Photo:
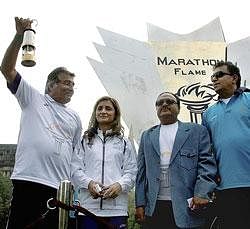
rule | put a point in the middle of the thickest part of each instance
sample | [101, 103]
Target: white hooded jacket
[107, 160]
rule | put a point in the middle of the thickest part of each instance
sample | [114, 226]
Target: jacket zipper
[103, 157]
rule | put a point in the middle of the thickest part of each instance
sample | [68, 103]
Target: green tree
[131, 209]
[5, 196]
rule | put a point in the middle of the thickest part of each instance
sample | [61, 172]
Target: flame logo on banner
[203, 94]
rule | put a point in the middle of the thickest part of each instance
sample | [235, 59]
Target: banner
[185, 68]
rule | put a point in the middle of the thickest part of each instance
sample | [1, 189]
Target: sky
[66, 31]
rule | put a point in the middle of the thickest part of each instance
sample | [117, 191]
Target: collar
[240, 90]
[237, 92]
[50, 99]
[100, 132]
[170, 125]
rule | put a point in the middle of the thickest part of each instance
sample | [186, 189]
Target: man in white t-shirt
[175, 165]
[49, 137]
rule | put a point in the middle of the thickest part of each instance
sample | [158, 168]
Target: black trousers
[86, 222]
[162, 218]
[29, 202]
[233, 207]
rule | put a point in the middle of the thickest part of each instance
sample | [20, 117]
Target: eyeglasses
[67, 83]
[168, 102]
[219, 74]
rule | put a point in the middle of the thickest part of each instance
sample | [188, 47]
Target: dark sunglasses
[219, 74]
[166, 101]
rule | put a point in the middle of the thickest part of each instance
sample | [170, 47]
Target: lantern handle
[35, 21]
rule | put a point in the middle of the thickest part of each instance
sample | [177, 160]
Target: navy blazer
[192, 171]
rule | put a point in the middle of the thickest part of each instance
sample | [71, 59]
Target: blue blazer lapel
[180, 138]
[154, 137]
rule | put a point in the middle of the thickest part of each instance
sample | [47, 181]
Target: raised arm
[10, 57]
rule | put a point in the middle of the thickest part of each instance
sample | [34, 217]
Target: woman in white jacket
[109, 167]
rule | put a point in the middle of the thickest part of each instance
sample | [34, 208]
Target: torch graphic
[196, 97]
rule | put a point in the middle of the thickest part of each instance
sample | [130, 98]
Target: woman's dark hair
[116, 126]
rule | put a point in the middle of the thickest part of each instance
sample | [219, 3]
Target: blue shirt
[229, 128]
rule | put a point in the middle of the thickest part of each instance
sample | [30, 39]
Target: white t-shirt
[49, 132]
[166, 140]
[167, 137]
[226, 101]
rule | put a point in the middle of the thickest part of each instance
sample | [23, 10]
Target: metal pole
[64, 195]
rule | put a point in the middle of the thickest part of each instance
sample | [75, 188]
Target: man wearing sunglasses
[176, 170]
[228, 122]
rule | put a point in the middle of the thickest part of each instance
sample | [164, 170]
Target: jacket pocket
[188, 159]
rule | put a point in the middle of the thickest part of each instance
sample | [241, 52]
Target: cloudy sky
[66, 31]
